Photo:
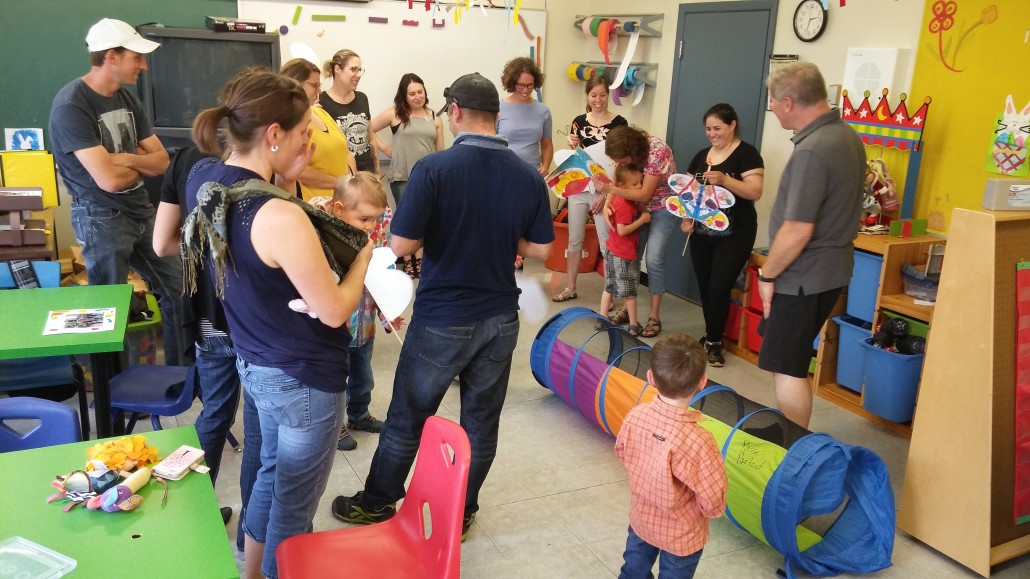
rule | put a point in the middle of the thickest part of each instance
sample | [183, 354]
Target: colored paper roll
[573, 71]
[594, 24]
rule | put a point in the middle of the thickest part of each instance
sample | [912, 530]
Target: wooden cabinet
[959, 480]
[890, 295]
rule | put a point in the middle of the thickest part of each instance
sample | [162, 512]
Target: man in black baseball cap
[472, 208]
[472, 91]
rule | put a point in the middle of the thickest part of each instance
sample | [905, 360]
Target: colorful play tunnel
[779, 473]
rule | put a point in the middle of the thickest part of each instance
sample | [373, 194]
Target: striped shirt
[677, 479]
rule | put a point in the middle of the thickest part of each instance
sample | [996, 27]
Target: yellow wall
[993, 60]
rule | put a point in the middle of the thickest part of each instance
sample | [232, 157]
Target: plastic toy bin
[865, 284]
[850, 355]
[891, 382]
[590, 249]
[754, 340]
[732, 329]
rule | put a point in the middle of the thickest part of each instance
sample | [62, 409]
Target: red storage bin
[754, 341]
[732, 330]
[557, 261]
[754, 300]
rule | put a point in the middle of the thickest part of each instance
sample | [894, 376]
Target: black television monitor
[185, 75]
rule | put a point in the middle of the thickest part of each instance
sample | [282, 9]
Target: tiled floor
[556, 502]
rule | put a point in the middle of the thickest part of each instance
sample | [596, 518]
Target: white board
[477, 43]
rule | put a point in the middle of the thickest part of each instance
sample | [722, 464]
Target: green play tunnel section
[780, 475]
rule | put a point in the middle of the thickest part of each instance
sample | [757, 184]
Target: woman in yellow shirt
[331, 158]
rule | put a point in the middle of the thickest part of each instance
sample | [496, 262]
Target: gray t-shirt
[525, 125]
[821, 184]
[81, 118]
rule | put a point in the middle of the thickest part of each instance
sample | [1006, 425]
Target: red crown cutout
[881, 126]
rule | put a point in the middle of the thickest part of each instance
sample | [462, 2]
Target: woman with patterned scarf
[263, 249]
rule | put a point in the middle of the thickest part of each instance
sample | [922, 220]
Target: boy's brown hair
[622, 172]
[678, 362]
[361, 186]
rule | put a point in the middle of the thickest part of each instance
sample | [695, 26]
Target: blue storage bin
[891, 382]
[850, 355]
[865, 284]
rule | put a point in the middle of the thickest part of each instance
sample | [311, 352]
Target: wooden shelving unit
[959, 481]
[896, 251]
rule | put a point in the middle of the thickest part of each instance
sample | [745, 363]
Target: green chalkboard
[43, 45]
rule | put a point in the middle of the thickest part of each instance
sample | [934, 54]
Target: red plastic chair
[422, 540]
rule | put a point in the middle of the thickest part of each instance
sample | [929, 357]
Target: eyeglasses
[356, 69]
[527, 86]
[314, 85]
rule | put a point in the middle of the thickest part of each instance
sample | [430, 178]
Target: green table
[24, 313]
[185, 538]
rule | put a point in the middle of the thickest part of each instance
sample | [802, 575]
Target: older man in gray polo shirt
[813, 223]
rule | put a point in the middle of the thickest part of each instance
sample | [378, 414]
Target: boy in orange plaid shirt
[676, 476]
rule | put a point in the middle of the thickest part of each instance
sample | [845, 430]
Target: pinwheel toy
[696, 199]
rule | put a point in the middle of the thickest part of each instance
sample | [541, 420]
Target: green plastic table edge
[185, 538]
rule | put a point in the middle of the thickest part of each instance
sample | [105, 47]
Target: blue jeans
[299, 429]
[656, 235]
[480, 355]
[111, 244]
[640, 556]
[251, 462]
[360, 381]
[220, 393]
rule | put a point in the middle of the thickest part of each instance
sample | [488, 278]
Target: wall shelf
[644, 20]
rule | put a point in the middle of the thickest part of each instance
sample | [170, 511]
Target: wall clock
[809, 20]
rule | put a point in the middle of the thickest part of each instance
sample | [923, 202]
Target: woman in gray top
[417, 131]
[523, 120]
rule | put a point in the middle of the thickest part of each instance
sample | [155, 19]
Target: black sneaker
[349, 509]
[346, 441]
[466, 524]
[369, 424]
[715, 357]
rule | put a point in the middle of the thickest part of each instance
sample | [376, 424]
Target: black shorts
[788, 332]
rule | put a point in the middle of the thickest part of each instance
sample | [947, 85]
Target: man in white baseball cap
[104, 144]
[110, 33]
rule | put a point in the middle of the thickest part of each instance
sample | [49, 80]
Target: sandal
[565, 295]
[634, 329]
[652, 328]
[621, 316]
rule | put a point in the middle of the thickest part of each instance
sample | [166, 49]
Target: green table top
[24, 313]
[185, 538]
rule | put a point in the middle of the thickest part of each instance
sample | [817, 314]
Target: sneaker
[466, 524]
[346, 441]
[369, 424]
[715, 357]
[349, 509]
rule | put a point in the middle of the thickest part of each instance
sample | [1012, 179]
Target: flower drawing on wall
[943, 20]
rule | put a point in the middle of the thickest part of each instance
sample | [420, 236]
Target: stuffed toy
[880, 192]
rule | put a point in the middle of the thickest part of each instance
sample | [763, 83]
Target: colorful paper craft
[699, 201]
[576, 169]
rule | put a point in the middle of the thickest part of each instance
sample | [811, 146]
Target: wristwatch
[764, 279]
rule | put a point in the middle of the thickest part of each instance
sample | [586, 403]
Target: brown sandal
[652, 328]
[565, 295]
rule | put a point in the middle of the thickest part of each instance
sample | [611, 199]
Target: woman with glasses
[417, 131]
[349, 107]
[331, 158]
[525, 121]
